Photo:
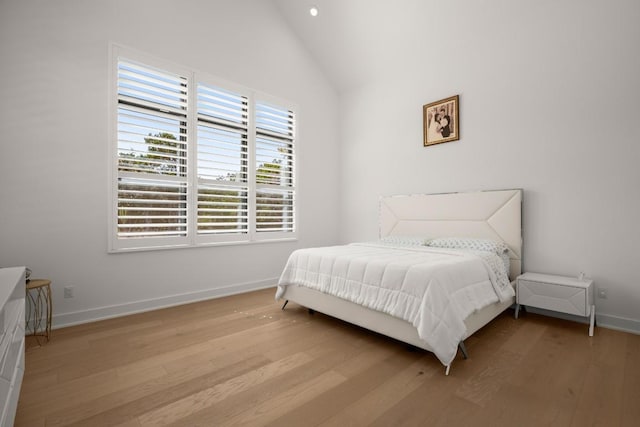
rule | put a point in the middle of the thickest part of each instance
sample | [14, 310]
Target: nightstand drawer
[565, 299]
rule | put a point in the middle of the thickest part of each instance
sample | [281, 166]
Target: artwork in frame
[441, 121]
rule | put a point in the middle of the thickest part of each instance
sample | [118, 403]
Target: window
[197, 162]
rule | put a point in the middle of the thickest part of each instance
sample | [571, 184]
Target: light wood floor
[242, 361]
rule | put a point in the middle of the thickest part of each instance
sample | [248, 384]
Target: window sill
[200, 245]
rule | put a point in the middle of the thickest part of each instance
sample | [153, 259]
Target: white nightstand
[557, 293]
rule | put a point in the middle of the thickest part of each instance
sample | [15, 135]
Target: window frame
[192, 238]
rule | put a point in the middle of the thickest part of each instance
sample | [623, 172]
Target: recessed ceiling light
[313, 11]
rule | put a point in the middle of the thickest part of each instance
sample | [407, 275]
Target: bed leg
[446, 371]
[463, 350]
[285, 304]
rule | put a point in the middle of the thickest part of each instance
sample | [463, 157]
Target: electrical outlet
[68, 291]
[602, 293]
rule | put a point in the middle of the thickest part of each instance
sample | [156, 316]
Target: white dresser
[558, 293]
[12, 320]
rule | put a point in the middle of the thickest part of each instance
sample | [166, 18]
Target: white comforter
[433, 289]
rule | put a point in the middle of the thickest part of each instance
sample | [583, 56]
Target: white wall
[54, 165]
[549, 95]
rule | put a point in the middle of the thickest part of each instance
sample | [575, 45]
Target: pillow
[404, 240]
[506, 261]
[487, 245]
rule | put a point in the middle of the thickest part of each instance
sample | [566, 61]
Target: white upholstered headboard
[486, 214]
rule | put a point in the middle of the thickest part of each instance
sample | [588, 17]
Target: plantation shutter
[274, 161]
[196, 161]
[223, 189]
[151, 152]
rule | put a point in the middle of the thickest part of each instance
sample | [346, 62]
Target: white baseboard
[618, 323]
[602, 320]
[108, 312]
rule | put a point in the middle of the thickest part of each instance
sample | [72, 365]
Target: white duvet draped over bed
[433, 289]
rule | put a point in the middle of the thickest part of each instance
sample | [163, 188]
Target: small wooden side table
[38, 300]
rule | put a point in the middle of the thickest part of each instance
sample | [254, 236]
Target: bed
[426, 318]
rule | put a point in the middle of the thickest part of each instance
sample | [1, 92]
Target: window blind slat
[223, 209]
[274, 169]
[149, 208]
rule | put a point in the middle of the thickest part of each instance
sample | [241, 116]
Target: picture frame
[441, 121]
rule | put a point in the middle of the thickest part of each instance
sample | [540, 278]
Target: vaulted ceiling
[356, 40]
[351, 39]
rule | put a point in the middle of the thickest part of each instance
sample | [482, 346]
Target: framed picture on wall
[441, 121]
